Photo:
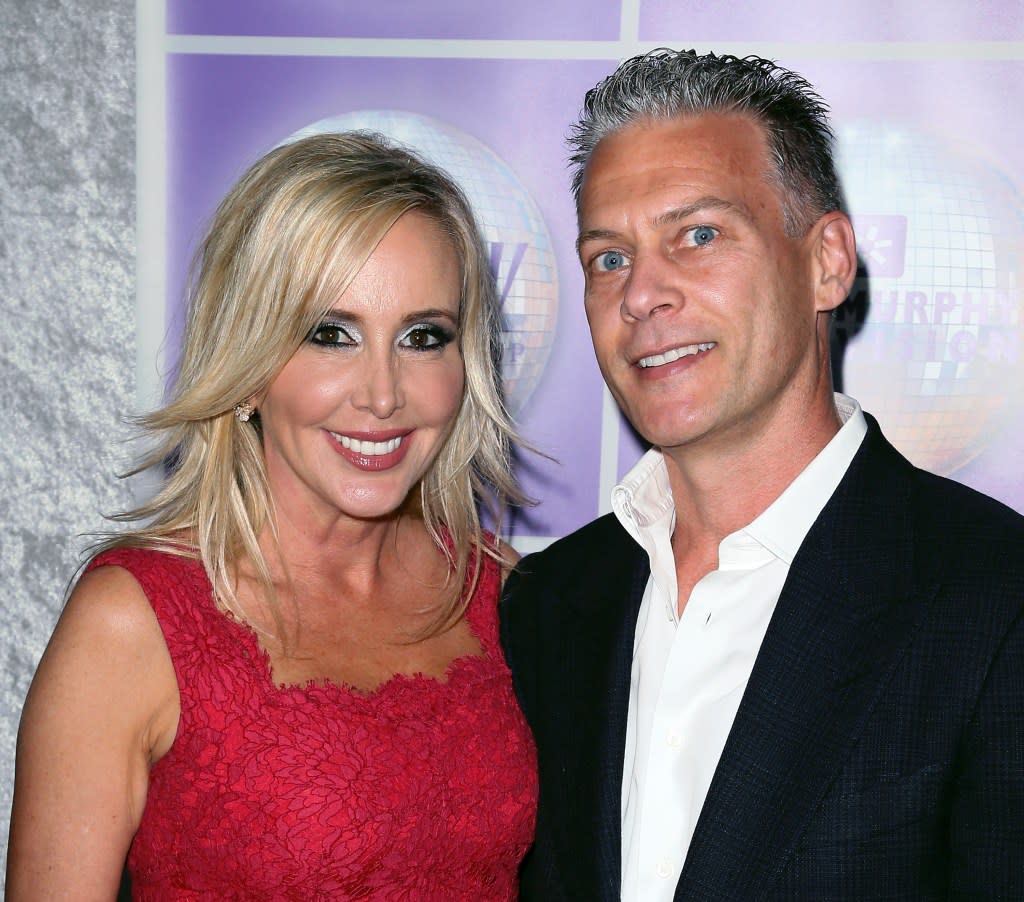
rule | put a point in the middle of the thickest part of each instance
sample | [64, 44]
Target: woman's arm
[102, 708]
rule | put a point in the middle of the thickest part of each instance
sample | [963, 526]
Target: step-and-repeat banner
[926, 107]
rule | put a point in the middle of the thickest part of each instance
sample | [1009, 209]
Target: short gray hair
[666, 84]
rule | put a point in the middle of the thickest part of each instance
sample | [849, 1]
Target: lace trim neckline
[461, 671]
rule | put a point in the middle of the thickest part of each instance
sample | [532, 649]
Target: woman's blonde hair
[282, 247]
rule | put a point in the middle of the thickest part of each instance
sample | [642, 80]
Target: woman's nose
[380, 390]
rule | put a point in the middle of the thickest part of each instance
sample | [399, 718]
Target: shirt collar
[642, 501]
[784, 524]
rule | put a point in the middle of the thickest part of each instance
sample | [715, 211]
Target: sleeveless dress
[420, 790]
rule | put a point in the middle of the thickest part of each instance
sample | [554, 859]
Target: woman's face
[357, 416]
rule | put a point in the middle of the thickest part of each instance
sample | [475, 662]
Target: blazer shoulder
[955, 528]
[602, 543]
[971, 548]
[969, 529]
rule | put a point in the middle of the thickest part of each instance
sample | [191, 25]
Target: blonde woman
[284, 681]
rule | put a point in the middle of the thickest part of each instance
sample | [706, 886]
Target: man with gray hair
[790, 665]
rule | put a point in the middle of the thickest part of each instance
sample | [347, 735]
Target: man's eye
[701, 235]
[330, 334]
[609, 261]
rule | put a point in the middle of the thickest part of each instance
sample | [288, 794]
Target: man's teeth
[675, 354]
[368, 449]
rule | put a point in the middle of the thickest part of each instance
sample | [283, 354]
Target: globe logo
[939, 234]
[520, 249]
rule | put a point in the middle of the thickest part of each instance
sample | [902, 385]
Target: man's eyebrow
[594, 235]
[676, 214]
[709, 202]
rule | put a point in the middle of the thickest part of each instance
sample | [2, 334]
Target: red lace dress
[421, 790]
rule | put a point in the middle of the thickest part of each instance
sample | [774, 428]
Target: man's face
[701, 308]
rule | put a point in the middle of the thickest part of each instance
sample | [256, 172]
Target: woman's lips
[371, 451]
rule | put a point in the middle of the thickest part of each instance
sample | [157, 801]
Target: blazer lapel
[838, 629]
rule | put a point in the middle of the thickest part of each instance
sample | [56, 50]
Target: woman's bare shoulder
[108, 641]
[102, 707]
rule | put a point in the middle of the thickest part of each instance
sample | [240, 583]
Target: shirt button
[664, 869]
[675, 741]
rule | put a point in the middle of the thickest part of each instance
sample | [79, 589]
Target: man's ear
[835, 260]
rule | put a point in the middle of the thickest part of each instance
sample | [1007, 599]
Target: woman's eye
[701, 235]
[330, 334]
[609, 261]
[426, 338]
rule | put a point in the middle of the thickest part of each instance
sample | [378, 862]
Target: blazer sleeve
[540, 879]
[987, 813]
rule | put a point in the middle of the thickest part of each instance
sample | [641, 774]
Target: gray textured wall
[67, 296]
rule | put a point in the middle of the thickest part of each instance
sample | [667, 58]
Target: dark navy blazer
[878, 751]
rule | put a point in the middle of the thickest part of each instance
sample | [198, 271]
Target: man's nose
[654, 287]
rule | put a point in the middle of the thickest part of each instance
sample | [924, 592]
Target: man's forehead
[668, 166]
[683, 125]
[710, 139]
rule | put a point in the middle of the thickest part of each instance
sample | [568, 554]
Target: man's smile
[674, 354]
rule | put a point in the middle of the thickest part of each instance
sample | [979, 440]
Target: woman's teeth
[368, 449]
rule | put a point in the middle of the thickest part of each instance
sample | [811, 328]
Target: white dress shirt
[690, 671]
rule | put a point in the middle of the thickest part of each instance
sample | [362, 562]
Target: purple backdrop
[448, 19]
[932, 148]
[808, 20]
